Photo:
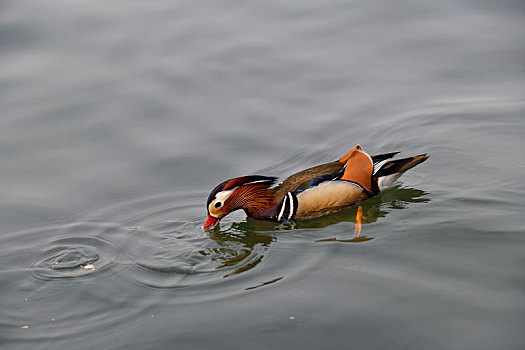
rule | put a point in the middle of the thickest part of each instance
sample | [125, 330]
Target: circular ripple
[74, 258]
[159, 244]
[179, 254]
[166, 248]
[154, 242]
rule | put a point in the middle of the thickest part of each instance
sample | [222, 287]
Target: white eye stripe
[256, 182]
[223, 196]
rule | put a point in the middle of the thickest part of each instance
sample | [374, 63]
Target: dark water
[117, 119]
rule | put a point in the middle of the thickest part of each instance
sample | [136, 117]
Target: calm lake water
[118, 118]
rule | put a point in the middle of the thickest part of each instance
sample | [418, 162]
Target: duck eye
[218, 205]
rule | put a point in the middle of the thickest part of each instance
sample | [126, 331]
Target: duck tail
[380, 157]
[388, 171]
[399, 165]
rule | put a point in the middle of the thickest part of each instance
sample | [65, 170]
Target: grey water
[118, 118]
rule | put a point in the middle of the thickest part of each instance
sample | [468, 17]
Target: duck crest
[232, 184]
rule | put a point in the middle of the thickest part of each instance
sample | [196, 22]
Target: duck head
[250, 193]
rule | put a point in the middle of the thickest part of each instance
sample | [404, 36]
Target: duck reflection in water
[367, 212]
[244, 243]
[240, 247]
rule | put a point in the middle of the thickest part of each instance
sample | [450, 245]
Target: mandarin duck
[314, 192]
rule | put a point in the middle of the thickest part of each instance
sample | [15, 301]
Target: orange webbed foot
[358, 216]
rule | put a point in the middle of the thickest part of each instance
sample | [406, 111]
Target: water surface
[119, 118]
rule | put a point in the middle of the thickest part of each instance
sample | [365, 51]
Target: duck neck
[258, 201]
[262, 213]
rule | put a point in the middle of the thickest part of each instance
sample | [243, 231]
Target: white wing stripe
[291, 205]
[378, 166]
[282, 211]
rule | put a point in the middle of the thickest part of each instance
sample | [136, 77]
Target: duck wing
[308, 178]
[316, 175]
